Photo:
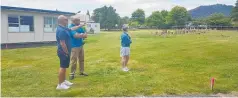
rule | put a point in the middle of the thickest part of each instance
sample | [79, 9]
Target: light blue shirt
[125, 40]
[76, 42]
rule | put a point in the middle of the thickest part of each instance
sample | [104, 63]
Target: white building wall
[97, 28]
[3, 28]
[49, 37]
[38, 26]
[94, 26]
[15, 37]
[20, 37]
[38, 35]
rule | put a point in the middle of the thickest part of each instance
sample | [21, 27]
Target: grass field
[176, 65]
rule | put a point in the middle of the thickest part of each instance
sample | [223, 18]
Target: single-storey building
[20, 25]
[93, 27]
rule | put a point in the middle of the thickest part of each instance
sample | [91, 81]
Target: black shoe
[71, 77]
[83, 74]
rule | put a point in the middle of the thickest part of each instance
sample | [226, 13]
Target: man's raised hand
[85, 35]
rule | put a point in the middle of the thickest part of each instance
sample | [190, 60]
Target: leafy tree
[198, 22]
[234, 13]
[106, 16]
[165, 14]
[139, 16]
[218, 19]
[178, 16]
[155, 19]
[112, 18]
[125, 20]
[133, 24]
[158, 19]
[97, 14]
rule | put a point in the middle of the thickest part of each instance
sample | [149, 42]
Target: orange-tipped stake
[212, 83]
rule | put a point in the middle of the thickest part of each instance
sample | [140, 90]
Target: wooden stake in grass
[212, 83]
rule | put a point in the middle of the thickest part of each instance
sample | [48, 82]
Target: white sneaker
[67, 83]
[62, 86]
[125, 69]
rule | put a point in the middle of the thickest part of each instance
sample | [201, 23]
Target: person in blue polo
[77, 53]
[125, 48]
[63, 51]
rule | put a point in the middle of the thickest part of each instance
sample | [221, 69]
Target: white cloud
[123, 7]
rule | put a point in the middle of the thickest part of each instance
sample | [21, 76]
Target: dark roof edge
[35, 10]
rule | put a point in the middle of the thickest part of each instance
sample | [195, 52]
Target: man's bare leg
[62, 73]
[123, 61]
[127, 60]
[63, 84]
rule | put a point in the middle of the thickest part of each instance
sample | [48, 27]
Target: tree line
[178, 16]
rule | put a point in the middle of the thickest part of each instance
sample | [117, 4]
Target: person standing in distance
[125, 48]
[63, 51]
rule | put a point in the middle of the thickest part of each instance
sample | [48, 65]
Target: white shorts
[125, 51]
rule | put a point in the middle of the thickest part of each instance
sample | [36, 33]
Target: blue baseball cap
[124, 28]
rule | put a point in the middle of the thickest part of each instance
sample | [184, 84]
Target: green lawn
[176, 65]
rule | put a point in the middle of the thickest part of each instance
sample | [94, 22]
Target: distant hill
[204, 11]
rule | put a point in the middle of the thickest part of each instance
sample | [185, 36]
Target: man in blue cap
[125, 48]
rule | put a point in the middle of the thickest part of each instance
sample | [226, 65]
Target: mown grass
[175, 65]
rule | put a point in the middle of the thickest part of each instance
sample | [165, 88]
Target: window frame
[19, 23]
[53, 25]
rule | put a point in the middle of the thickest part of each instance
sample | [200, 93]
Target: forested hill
[204, 11]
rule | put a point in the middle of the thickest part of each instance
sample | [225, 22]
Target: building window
[20, 23]
[50, 24]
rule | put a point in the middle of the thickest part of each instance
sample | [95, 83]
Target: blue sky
[123, 7]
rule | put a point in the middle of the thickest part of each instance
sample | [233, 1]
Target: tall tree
[112, 18]
[125, 20]
[218, 19]
[122, 21]
[155, 19]
[106, 16]
[139, 16]
[234, 13]
[97, 14]
[178, 16]
[165, 14]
